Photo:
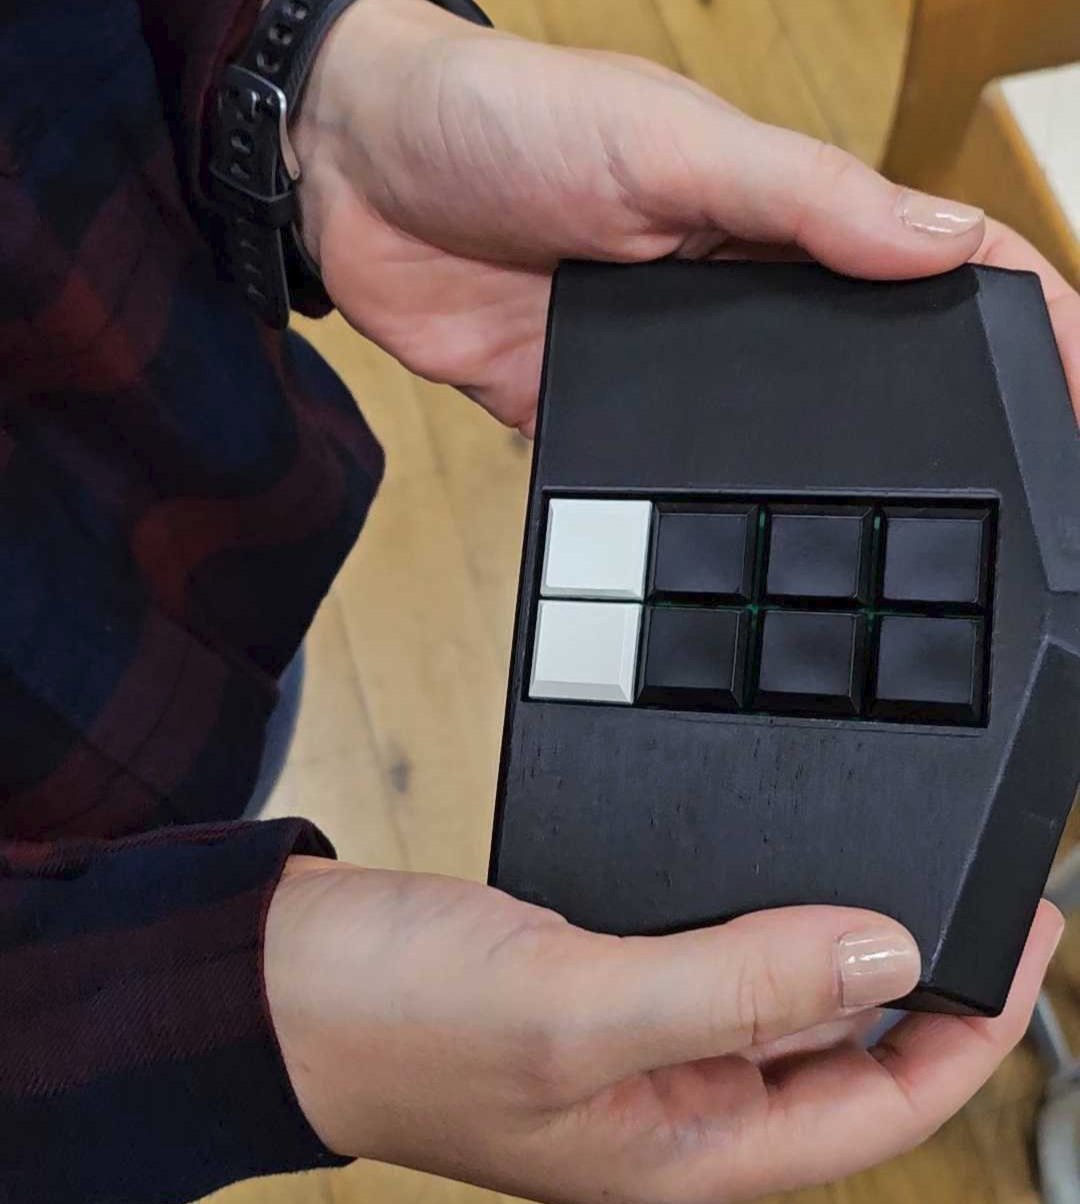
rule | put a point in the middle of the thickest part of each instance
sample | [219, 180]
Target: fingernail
[876, 967]
[935, 214]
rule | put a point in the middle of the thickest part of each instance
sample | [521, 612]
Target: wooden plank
[1046, 107]
[313, 1187]
[332, 714]
[522, 17]
[1003, 1138]
[376, 1183]
[1020, 1077]
[995, 168]
[739, 50]
[629, 26]
[809, 1195]
[851, 55]
[333, 775]
[417, 631]
[955, 49]
[485, 471]
[341, 793]
[948, 1168]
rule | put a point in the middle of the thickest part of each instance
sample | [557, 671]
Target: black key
[936, 557]
[704, 555]
[929, 670]
[694, 658]
[819, 553]
[811, 663]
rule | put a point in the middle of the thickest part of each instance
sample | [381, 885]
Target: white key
[596, 549]
[586, 651]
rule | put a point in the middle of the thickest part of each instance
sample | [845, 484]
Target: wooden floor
[398, 743]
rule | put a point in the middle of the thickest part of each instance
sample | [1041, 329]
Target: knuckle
[833, 166]
[759, 999]
[829, 172]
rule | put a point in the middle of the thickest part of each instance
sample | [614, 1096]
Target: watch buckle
[259, 91]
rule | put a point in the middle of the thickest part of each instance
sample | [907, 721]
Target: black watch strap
[253, 170]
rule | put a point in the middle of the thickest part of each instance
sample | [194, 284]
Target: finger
[836, 1113]
[643, 1003]
[851, 1030]
[1004, 248]
[762, 183]
[915, 1053]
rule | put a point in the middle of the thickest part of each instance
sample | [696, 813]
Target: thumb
[646, 1002]
[761, 183]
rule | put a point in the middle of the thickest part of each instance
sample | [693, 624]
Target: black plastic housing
[677, 381]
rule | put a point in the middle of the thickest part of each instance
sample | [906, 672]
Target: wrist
[294, 996]
[356, 84]
[321, 957]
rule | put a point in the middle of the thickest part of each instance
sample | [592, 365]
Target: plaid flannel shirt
[178, 487]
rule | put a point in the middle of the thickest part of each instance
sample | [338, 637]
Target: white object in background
[1046, 105]
[596, 549]
[586, 651]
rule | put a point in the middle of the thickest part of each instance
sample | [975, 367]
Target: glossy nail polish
[936, 215]
[876, 967]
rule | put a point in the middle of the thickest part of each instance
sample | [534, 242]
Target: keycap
[693, 657]
[929, 669]
[811, 663]
[818, 554]
[596, 548]
[704, 555]
[935, 558]
[585, 651]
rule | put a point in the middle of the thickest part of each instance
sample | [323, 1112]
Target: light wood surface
[995, 167]
[956, 47]
[398, 744]
[953, 132]
[1046, 107]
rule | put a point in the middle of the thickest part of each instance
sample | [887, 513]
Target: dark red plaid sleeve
[191, 40]
[178, 489]
[137, 1058]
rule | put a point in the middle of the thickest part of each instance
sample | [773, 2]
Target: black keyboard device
[799, 614]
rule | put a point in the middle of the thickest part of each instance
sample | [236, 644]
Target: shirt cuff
[138, 1058]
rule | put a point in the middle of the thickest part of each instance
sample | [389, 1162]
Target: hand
[447, 168]
[447, 1027]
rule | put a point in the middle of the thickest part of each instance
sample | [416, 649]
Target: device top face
[840, 610]
[861, 609]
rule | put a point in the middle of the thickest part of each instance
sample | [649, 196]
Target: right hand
[448, 168]
[448, 1027]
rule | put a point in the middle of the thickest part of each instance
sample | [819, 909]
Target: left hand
[448, 168]
[445, 1026]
